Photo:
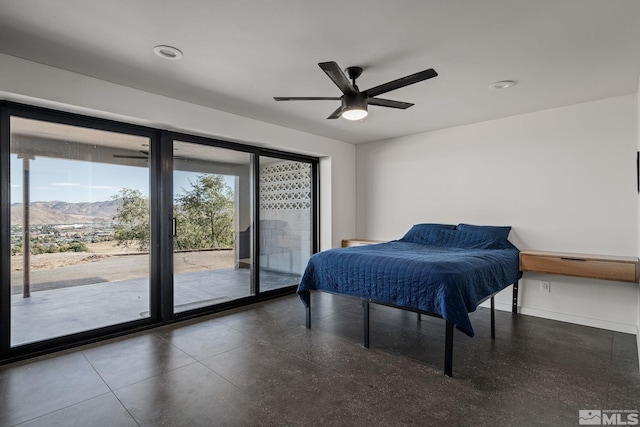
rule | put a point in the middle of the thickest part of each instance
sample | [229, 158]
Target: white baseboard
[579, 320]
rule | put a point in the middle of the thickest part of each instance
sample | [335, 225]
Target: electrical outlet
[545, 286]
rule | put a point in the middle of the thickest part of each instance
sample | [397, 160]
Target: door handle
[174, 226]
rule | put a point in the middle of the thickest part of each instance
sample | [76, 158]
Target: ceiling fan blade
[128, 156]
[122, 156]
[336, 114]
[401, 82]
[389, 103]
[306, 98]
[337, 76]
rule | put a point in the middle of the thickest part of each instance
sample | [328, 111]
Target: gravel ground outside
[105, 263]
[185, 261]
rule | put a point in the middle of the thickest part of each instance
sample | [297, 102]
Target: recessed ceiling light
[167, 52]
[504, 84]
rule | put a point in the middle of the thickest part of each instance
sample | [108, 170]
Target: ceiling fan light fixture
[355, 114]
[354, 107]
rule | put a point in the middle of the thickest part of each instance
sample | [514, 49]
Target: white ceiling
[239, 54]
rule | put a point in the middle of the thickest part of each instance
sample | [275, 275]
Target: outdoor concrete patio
[66, 310]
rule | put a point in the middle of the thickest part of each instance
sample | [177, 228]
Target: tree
[132, 219]
[205, 214]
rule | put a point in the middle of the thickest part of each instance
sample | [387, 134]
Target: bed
[434, 269]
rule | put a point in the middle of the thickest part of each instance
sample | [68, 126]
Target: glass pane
[212, 210]
[285, 221]
[79, 229]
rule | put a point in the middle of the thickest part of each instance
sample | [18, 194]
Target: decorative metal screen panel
[285, 186]
[285, 217]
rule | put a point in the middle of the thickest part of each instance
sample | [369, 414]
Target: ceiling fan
[354, 102]
[144, 156]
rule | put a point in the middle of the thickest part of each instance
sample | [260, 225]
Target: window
[79, 208]
[108, 227]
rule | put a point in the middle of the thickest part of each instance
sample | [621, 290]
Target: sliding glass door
[79, 227]
[107, 227]
[286, 221]
[212, 232]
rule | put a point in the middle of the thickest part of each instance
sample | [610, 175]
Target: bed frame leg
[514, 306]
[308, 311]
[493, 319]
[419, 317]
[365, 310]
[448, 350]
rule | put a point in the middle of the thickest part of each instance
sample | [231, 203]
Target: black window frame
[161, 194]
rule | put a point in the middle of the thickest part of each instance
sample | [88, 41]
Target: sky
[75, 181]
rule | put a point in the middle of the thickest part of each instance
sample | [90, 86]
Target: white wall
[37, 84]
[563, 178]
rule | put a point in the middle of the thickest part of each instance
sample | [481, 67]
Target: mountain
[56, 212]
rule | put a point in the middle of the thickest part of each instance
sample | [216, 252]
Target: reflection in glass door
[285, 221]
[212, 209]
[79, 229]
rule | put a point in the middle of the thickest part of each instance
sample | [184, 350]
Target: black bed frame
[448, 344]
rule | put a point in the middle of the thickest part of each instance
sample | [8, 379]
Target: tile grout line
[109, 387]
[195, 359]
[76, 403]
[60, 409]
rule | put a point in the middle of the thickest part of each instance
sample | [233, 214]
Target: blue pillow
[419, 231]
[450, 238]
[498, 231]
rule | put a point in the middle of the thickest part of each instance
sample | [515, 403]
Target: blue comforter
[442, 271]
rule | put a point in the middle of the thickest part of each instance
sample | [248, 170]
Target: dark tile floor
[260, 366]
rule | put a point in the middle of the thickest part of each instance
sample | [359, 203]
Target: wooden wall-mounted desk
[617, 268]
[359, 242]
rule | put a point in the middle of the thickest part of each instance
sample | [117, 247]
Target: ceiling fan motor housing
[357, 101]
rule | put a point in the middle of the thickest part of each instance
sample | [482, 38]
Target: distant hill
[43, 213]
